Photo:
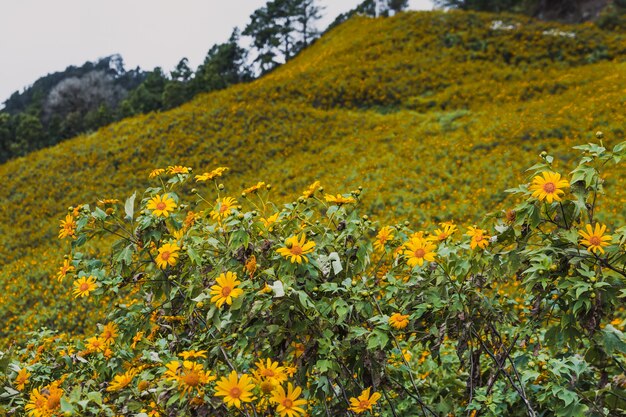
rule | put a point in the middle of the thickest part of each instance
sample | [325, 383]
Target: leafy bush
[225, 305]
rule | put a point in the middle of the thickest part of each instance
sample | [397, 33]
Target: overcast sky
[42, 36]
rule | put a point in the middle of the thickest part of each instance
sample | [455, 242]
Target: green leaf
[129, 206]
[126, 255]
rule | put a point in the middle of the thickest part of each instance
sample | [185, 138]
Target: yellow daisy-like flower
[594, 239]
[235, 390]
[384, 235]
[548, 186]
[156, 172]
[217, 172]
[296, 248]
[45, 402]
[479, 237]
[226, 289]
[446, 230]
[68, 227]
[136, 339]
[83, 286]
[161, 206]
[224, 208]
[178, 169]
[339, 199]
[96, 344]
[168, 255]
[269, 222]
[192, 354]
[309, 192]
[189, 375]
[419, 250]
[271, 371]
[121, 381]
[254, 188]
[364, 402]
[399, 321]
[21, 379]
[251, 266]
[65, 269]
[287, 403]
[109, 333]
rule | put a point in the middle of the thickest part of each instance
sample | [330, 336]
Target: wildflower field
[420, 215]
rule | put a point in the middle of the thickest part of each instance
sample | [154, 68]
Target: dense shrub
[225, 305]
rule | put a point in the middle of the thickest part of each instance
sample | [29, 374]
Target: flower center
[549, 187]
[223, 208]
[595, 240]
[296, 250]
[419, 253]
[192, 379]
[267, 387]
[268, 372]
[226, 291]
[165, 255]
[161, 205]
[84, 287]
[235, 392]
[288, 403]
[364, 404]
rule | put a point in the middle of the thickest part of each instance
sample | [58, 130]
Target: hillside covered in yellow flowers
[434, 114]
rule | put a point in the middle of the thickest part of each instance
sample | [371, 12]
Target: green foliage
[280, 29]
[521, 318]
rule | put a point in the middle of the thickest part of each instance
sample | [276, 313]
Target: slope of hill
[433, 113]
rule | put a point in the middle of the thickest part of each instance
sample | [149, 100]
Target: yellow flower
[399, 321]
[419, 250]
[168, 255]
[96, 344]
[479, 237]
[446, 230]
[225, 290]
[66, 268]
[287, 403]
[269, 222]
[595, 239]
[309, 192]
[178, 169]
[271, 371]
[217, 172]
[68, 227]
[548, 186]
[251, 265]
[109, 333]
[189, 375]
[384, 235]
[223, 209]
[295, 249]
[235, 390]
[122, 380]
[254, 188]
[83, 286]
[192, 354]
[156, 172]
[45, 403]
[161, 205]
[21, 379]
[339, 199]
[136, 339]
[364, 402]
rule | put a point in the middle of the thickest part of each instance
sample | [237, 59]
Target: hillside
[432, 113]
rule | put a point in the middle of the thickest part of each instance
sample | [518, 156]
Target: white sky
[42, 36]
